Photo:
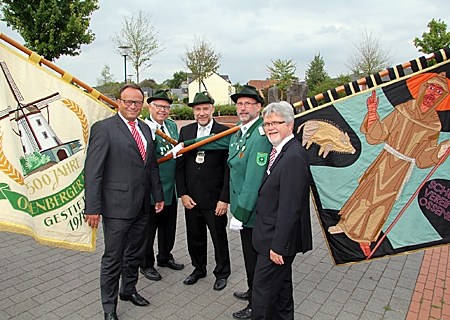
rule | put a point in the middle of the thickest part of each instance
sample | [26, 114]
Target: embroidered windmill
[34, 130]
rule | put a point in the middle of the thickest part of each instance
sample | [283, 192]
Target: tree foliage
[315, 73]
[177, 80]
[51, 28]
[368, 56]
[437, 38]
[201, 59]
[107, 83]
[284, 72]
[140, 34]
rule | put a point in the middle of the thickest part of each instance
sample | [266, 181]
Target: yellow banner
[44, 131]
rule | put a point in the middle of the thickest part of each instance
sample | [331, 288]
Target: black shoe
[135, 299]
[151, 273]
[220, 284]
[243, 295]
[243, 314]
[171, 264]
[193, 278]
[111, 316]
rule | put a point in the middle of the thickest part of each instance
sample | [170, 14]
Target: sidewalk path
[38, 282]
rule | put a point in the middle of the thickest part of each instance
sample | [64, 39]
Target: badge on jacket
[261, 158]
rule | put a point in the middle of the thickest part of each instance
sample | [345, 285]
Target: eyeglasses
[137, 103]
[161, 106]
[270, 124]
[246, 104]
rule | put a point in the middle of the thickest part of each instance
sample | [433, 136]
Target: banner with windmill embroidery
[44, 130]
[380, 166]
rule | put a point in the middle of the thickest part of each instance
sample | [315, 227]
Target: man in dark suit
[282, 225]
[203, 185]
[121, 173]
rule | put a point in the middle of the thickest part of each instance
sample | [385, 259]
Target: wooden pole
[359, 81]
[201, 143]
[89, 89]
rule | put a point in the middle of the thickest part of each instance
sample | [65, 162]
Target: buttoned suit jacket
[282, 221]
[117, 181]
[205, 183]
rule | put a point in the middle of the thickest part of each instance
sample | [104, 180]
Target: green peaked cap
[163, 94]
[201, 98]
[247, 91]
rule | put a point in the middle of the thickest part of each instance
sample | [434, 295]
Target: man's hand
[235, 224]
[221, 208]
[92, 220]
[159, 206]
[152, 127]
[188, 202]
[175, 150]
[276, 258]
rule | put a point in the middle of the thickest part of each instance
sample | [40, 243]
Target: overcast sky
[250, 33]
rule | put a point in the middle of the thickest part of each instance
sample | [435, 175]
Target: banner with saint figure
[379, 162]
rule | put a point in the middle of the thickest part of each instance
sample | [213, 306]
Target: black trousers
[124, 241]
[165, 223]
[250, 256]
[272, 289]
[197, 220]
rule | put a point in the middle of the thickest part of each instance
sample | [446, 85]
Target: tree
[51, 28]
[438, 37]
[105, 76]
[202, 59]
[177, 80]
[315, 72]
[138, 33]
[284, 72]
[369, 56]
[106, 83]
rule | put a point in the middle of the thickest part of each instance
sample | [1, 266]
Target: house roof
[262, 84]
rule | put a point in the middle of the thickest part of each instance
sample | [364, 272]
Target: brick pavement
[38, 282]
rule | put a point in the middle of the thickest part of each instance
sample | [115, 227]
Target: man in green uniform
[165, 221]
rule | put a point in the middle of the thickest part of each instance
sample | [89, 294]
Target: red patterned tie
[138, 139]
[272, 157]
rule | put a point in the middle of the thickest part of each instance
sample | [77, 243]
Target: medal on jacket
[200, 157]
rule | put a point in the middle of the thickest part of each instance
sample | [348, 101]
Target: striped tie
[138, 139]
[272, 157]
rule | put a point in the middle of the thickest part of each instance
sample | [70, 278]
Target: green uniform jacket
[248, 158]
[166, 169]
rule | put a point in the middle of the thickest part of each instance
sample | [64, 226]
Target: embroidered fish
[327, 135]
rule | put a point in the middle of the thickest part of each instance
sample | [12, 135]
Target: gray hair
[281, 108]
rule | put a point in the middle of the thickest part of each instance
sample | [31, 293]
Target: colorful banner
[381, 176]
[44, 130]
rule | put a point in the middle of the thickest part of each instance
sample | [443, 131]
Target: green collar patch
[261, 158]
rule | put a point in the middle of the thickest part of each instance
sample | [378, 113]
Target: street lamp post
[124, 50]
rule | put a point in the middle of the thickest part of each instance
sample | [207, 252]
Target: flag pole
[361, 81]
[69, 78]
[201, 143]
[441, 160]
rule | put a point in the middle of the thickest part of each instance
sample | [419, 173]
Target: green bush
[182, 113]
[225, 110]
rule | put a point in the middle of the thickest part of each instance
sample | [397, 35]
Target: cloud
[249, 34]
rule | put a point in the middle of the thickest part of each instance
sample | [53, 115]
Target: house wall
[218, 87]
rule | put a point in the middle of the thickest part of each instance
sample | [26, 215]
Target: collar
[245, 127]
[208, 127]
[158, 126]
[126, 121]
[283, 142]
